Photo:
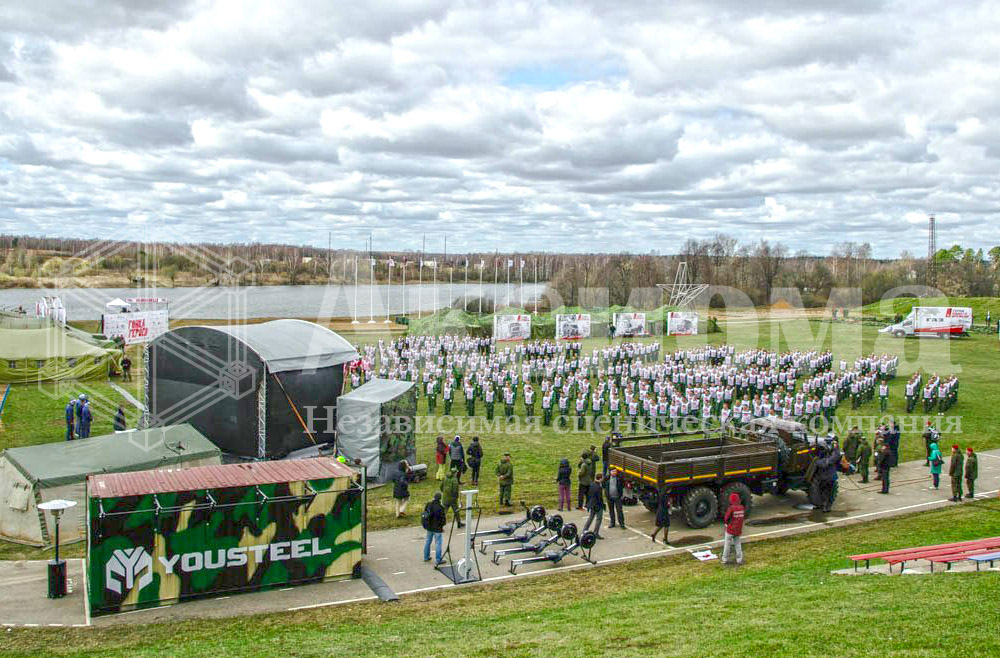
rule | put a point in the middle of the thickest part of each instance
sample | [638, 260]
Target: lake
[333, 301]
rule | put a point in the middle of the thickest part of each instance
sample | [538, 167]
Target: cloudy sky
[568, 125]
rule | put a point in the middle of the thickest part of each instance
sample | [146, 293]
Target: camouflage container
[159, 537]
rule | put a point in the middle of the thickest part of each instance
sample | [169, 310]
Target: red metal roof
[139, 483]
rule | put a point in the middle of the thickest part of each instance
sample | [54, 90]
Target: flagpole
[371, 292]
[465, 297]
[451, 283]
[420, 287]
[435, 285]
[355, 320]
[509, 263]
[520, 274]
[496, 264]
[482, 266]
[404, 286]
[388, 293]
[536, 286]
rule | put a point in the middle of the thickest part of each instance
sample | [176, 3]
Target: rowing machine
[554, 524]
[536, 515]
[511, 527]
[585, 544]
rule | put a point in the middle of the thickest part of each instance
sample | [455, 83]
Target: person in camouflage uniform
[449, 494]
[863, 459]
[971, 472]
[956, 471]
[505, 479]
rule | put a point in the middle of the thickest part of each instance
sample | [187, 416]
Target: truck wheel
[701, 507]
[746, 496]
[780, 488]
[899, 333]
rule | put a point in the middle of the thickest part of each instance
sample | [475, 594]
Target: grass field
[903, 305]
[783, 603]
[35, 416]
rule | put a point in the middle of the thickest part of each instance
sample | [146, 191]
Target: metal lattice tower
[931, 249]
[682, 292]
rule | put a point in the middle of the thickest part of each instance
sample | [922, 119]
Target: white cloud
[548, 125]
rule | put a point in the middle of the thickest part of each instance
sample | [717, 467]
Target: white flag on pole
[522, 263]
[373, 262]
[510, 262]
[392, 263]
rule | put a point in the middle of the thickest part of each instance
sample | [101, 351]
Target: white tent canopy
[117, 304]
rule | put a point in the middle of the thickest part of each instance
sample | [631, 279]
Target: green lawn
[903, 305]
[784, 602]
[35, 417]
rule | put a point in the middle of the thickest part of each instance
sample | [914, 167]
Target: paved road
[396, 554]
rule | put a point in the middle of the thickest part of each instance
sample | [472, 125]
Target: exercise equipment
[579, 545]
[554, 525]
[511, 527]
[466, 568]
[536, 515]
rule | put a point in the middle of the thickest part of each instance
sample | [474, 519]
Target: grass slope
[783, 603]
[903, 305]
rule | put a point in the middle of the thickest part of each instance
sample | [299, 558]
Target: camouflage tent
[375, 423]
[30, 475]
[38, 350]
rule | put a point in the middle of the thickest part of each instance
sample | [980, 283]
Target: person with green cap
[956, 471]
[449, 494]
[505, 479]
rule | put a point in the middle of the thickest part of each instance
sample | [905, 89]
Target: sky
[577, 126]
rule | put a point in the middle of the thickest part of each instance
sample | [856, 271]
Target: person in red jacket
[733, 524]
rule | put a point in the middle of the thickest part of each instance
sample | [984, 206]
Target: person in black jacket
[605, 447]
[614, 489]
[119, 423]
[475, 455]
[662, 516]
[563, 478]
[401, 488]
[595, 505]
[433, 520]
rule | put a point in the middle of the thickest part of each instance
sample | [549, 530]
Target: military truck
[701, 470]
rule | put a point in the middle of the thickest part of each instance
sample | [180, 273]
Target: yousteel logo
[132, 568]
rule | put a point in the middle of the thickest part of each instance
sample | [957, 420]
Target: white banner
[571, 327]
[512, 327]
[682, 323]
[140, 327]
[630, 324]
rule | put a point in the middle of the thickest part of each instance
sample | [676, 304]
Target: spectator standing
[563, 476]
[126, 368]
[605, 449]
[595, 505]
[864, 457]
[883, 462]
[401, 488]
[505, 479]
[457, 454]
[936, 462]
[441, 457]
[971, 472]
[71, 419]
[732, 521]
[584, 477]
[119, 421]
[956, 471]
[475, 456]
[86, 418]
[433, 520]
[614, 488]
[662, 516]
[449, 494]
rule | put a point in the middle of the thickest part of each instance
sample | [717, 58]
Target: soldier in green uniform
[431, 396]
[971, 472]
[449, 494]
[864, 456]
[851, 444]
[505, 479]
[956, 471]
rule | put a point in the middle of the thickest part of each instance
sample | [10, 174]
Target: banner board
[682, 323]
[139, 327]
[630, 324]
[512, 327]
[572, 327]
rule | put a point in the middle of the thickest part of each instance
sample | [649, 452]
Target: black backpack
[425, 517]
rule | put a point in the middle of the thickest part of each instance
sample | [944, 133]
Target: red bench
[904, 555]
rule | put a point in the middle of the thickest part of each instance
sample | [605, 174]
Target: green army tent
[50, 352]
[30, 475]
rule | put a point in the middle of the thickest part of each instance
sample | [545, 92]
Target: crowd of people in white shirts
[628, 381]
